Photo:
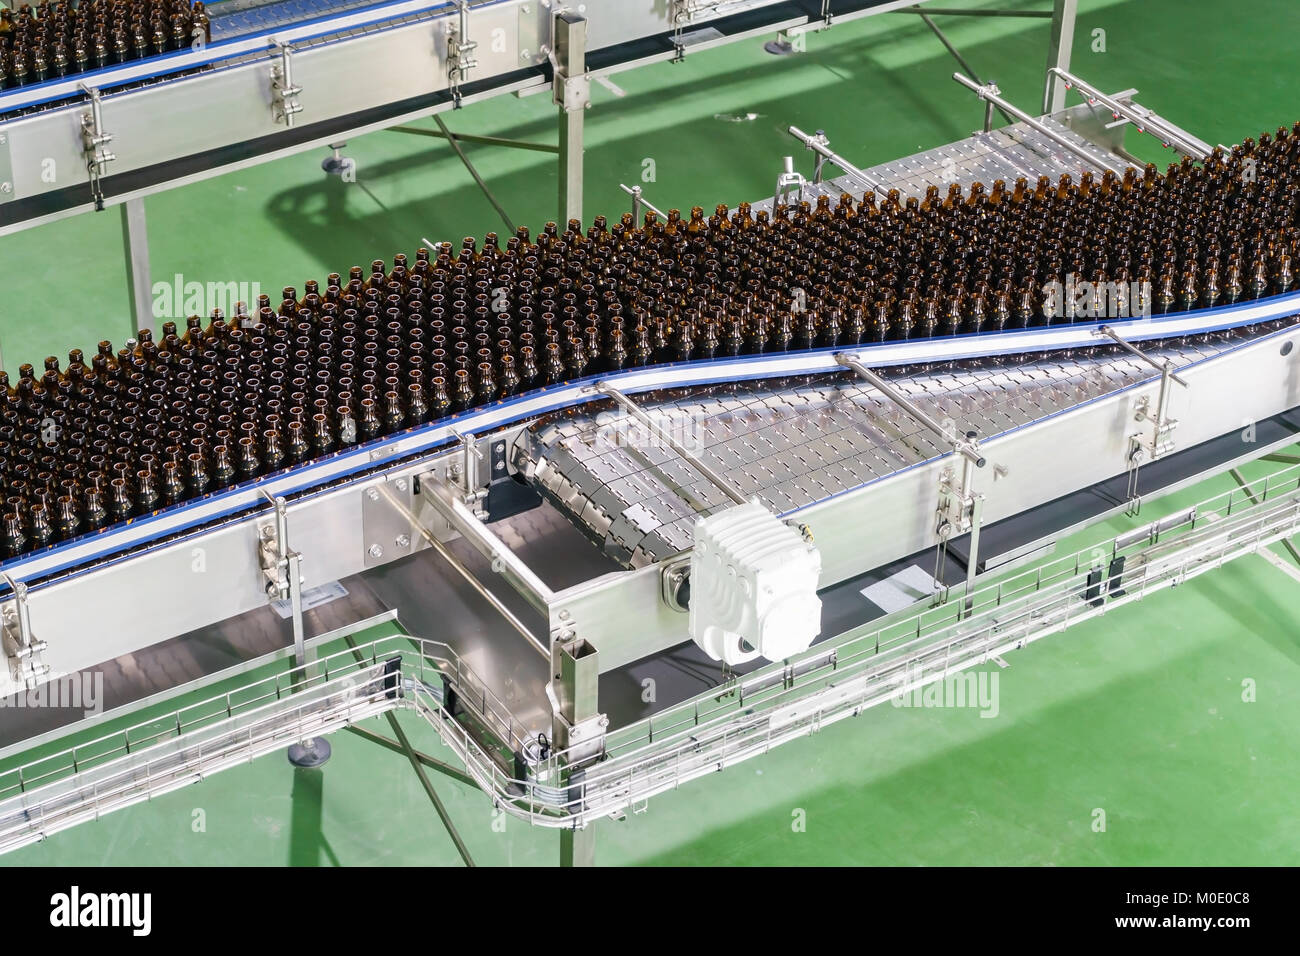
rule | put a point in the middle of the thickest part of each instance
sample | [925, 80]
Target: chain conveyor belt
[795, 443]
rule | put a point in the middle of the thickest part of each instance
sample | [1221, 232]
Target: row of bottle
[355, 357]
[60, 39]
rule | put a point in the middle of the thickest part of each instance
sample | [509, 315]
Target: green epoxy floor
[1138, 713]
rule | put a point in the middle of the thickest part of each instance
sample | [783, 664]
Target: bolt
[524, 55]
[376, 551]
[6, 188]
[403, 541]
[400, 484]
[3, 139]
[372, 494]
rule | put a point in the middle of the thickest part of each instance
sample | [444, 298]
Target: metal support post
[135, 241]
[973, 557]
[1059, 47]
[578, 732]
[282, 568]
[572, 94]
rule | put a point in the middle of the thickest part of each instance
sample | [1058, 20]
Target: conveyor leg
[135, 241]
[572, 96]
[575, 673]
[578, 847]
[1058, 52]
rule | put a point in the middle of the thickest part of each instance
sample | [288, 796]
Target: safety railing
[734, 722]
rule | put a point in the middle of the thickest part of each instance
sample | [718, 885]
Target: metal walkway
[838, 678]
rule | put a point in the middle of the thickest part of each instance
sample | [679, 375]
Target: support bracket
[94, 144]
[22, 650]
[284, 92]
[460, 53]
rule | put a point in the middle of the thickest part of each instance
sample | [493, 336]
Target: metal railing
[738, 720]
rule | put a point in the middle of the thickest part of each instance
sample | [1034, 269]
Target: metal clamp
[465, 472]
[789, 183]
[20, 646]
[639, 201]
[284, 94]
[94, 139]
[460, 53]
[1162, 425]
[273, 552]
[820, 145]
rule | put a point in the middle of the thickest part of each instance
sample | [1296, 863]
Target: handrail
[850, 673]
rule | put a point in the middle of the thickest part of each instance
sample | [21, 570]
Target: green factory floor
[1139, 714]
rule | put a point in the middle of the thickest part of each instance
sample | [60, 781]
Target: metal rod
[639, 200]
[633, 409]
[1141, 117]
[818, 145]
[1110, 333]
[959, 444]
[416, 765]
[432, 763]
[961, 60]
[988, 93]
[428, 789]
[469, 577]
[474, 138]
[474, 172]
[950, 12]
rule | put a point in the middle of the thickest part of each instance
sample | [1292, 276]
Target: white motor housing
[753, 586]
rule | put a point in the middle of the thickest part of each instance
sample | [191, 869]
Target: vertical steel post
[1058, 52]
[575, 671]
[135, 242]
[572, 99]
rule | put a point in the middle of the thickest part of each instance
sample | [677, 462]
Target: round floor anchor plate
[311, 753]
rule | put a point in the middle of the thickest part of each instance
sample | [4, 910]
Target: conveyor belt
[793, 445]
